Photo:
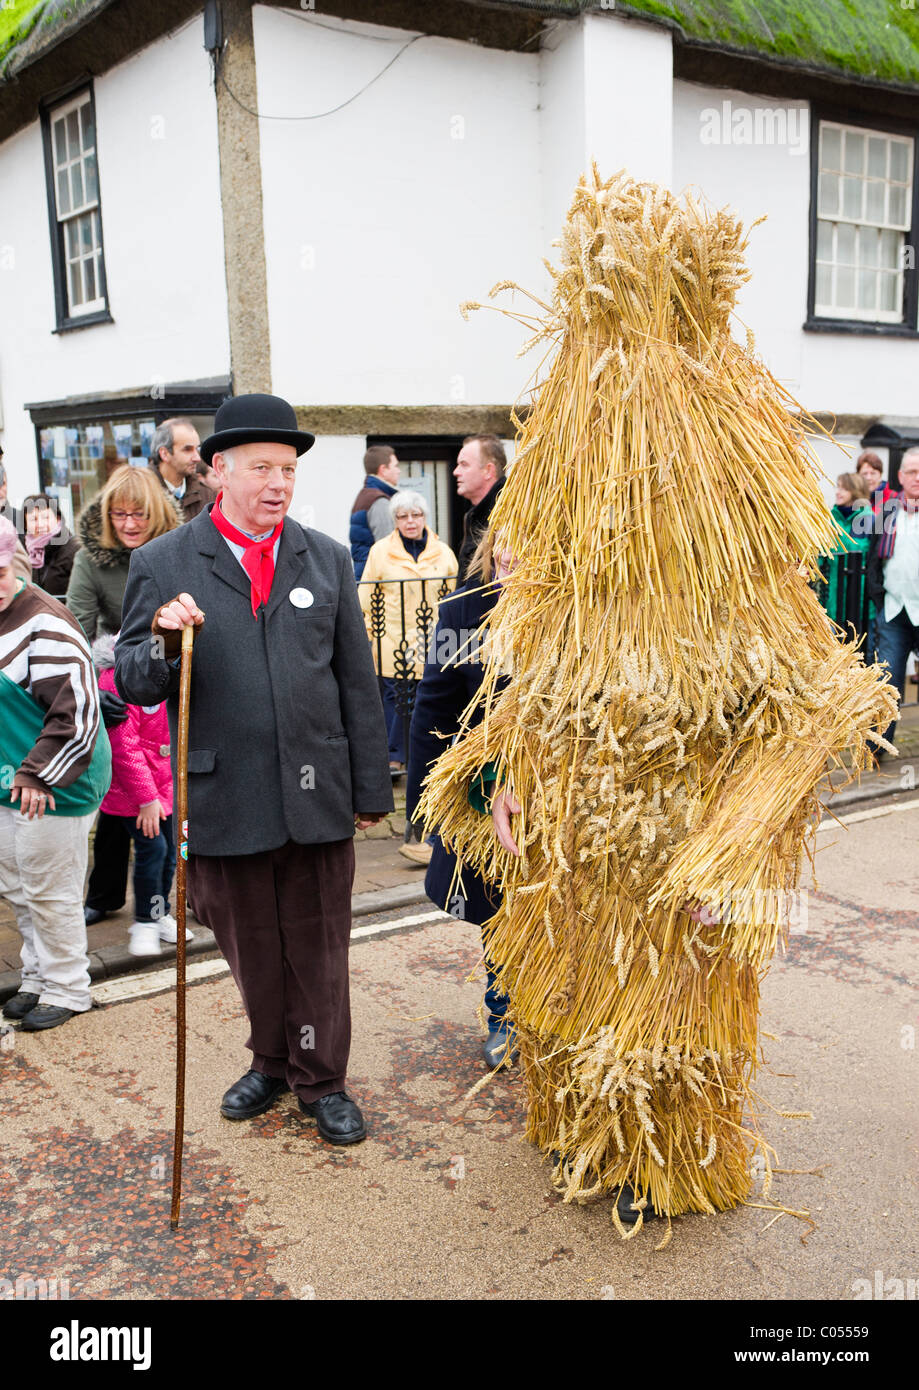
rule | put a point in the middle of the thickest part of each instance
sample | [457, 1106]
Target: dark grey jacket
[286, 736]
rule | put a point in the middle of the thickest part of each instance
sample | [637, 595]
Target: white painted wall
[606, 89]
[838, 372]
[163, 237]
[381, 219]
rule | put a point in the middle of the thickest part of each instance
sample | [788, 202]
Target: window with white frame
[74, 197]
[864, 211]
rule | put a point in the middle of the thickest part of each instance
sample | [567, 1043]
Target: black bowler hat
[255, 419]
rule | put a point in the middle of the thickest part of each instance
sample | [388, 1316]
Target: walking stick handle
[181, 792]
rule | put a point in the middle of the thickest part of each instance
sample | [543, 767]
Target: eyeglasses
[411, 516]
[128, 516]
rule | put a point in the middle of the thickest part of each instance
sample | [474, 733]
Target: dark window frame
[887, 125]
[65, 321]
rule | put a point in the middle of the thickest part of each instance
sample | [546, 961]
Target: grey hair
[228, 457]
[912, 453]
[406, 501]
[164, 438]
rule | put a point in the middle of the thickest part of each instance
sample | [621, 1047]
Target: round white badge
[301, 598]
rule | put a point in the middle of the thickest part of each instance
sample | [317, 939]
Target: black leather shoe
[45, 1016]
[338, 1118]
[92, 915]
[252, 1095]
[19, 1005]
[626, 1197]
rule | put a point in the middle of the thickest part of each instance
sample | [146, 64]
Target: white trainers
[169, 930]
[145, 939]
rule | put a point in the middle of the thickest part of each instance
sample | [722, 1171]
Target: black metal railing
[410, 630]
[843, 592]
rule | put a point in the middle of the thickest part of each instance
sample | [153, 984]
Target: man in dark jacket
[174, 457]
[370, 516]
[479, 475]
[892, 576]
[287, 750]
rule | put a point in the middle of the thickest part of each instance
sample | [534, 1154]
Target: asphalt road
[444, 1200]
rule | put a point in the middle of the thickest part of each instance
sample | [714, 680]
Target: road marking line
[394, 923]
[831, 824]
[135, 986]
[157, 981]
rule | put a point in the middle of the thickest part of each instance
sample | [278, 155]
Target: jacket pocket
[316, 612]
[202, 759]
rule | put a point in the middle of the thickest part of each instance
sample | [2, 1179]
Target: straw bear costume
[675, 694]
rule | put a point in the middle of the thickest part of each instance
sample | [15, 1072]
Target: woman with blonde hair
[131, 509]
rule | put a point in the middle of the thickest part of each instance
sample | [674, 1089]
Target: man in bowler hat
[287, 750]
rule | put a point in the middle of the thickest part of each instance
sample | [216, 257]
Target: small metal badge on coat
[301, 598]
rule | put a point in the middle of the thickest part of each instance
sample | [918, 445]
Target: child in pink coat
[141, 795]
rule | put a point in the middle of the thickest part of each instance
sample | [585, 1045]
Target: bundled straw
[676, 691]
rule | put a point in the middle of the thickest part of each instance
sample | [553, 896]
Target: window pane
[869, 246]
[92, 182]
[89, 134]
[830, 147]
[828, 194]
[63, 193]
[874, 209]
[852, 190]
[824, 241]
[877, 156]
[867, 289]
[86, 233]
[73, 135]
[890, 249]
[76, 284]
[900, 159]
[845, 287]
[896, 213]
[824, 285]
[854, 152]
[891, 294]
[76, 183]
[89, 269]
[845, 243]
[60, 142]
[73, 244]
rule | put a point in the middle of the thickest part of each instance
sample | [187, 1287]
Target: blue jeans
[896, 639]
[495, 1001]
[154, 866]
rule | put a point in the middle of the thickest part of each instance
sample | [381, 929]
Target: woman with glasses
[400, 590]
[131, 509]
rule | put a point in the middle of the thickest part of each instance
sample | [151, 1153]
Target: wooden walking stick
[188, 637]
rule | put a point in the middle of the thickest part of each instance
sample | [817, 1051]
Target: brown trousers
[282, 920]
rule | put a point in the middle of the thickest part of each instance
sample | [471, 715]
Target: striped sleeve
[62, 680]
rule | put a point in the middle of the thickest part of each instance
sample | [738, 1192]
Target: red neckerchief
[258, 556]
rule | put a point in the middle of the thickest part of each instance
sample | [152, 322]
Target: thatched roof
[876, 41]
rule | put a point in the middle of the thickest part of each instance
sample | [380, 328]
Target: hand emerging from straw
[708, 916]
[503, 807]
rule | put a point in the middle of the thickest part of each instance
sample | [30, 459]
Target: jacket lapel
[289, 566]
[211, 543]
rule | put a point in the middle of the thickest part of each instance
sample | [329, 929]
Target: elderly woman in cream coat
[401, 617]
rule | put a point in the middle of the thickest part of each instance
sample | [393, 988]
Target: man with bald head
[892, 578]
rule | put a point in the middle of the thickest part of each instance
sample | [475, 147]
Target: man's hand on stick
[169, 621]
